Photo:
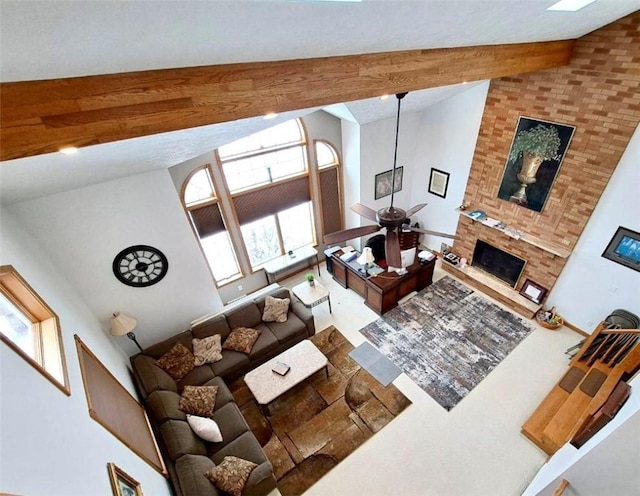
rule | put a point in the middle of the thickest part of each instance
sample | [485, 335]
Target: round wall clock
[140, 266]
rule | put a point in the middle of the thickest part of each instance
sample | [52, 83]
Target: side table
[310, 296]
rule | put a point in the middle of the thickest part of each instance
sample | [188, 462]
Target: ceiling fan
[391, 218]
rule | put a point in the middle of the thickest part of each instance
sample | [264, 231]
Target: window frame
[214, 200]
[46, 326]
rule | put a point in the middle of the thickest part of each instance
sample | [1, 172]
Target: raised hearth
[488, 284]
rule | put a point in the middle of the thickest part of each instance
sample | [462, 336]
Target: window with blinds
[329, 181]
[204, 211]
[268, 180]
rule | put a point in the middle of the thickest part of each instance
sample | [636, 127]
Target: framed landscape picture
[536, 154]
[123, 484]
[383, 183]
[624, 248]
[438, 182]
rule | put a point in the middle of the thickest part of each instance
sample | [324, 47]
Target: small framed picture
[123, 484]
[533, 291]
[624, 248]
[438, 182]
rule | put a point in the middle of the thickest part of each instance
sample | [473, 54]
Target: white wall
[591, 286]
[351, 173]
[443, 136]
[83, 230]
[49, 444]
[447, 141]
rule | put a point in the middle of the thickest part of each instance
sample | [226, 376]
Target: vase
[312, 283]
[527, 175]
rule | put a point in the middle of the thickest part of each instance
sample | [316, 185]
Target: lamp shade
[122, 324]
[366, 257]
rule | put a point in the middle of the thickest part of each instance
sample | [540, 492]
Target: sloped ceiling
[45, 40]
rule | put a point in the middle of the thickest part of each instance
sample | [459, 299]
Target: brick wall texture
[599, 94]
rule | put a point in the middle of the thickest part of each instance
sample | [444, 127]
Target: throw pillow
[231, 475]
[205, 428]
[198, 400]
[177, 362]
[207, 350]
[275, 309]
[241, 339]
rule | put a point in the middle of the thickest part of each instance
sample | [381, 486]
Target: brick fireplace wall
[599, 94]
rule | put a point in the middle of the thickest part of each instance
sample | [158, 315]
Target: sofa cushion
[275, 309]
[291, 329]
[265, 344]
[177, 362]
[231, 475]
[190, 470]
[261, 481]
[181, 440]
[216, 325]
[241, 339]
[205, 428]
[244, 316]
[159, 349]
[150, 376]
[232, 425]
[163, 406]
[197, 377]
[207, 350]
[246, 446]
[198, 400]
[232, 363]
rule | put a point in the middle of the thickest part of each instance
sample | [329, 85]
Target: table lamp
[123, 324]
[365, 259]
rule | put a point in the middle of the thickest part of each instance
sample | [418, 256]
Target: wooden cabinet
[382, 292]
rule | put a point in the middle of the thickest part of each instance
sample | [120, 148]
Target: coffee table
[305, 359]
[310, 296]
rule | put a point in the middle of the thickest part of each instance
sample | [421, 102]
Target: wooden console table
[382, 292]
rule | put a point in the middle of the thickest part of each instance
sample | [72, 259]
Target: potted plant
[542, 141]
[310, 279]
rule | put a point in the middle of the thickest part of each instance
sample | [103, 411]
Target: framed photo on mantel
[532, 291]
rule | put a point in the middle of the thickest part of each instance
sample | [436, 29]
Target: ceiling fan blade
[366, 212]
[434, 233]
[415, 209]
[392, 249]
[356, 232]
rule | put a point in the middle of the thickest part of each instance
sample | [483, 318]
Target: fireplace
[498, 263]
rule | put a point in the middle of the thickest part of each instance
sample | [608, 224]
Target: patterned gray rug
[447, 339]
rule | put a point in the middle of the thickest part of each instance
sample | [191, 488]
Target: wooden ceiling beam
[39, 117]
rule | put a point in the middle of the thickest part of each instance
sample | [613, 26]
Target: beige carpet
[320, 422]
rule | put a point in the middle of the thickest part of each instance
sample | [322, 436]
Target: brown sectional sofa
[186, 455]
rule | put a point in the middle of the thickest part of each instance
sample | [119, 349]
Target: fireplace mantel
[556, 250]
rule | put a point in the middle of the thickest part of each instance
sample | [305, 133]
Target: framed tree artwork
[534, 160]
[438, 182]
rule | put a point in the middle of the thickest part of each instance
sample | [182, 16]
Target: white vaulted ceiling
[47, 39]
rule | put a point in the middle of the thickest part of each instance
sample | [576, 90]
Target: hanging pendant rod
[399, 96]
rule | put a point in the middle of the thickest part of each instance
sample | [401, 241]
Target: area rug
[447, 339]
[321, 421]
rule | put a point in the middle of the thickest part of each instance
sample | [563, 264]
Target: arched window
[329, 181]
[268, 180]
[206, 217]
